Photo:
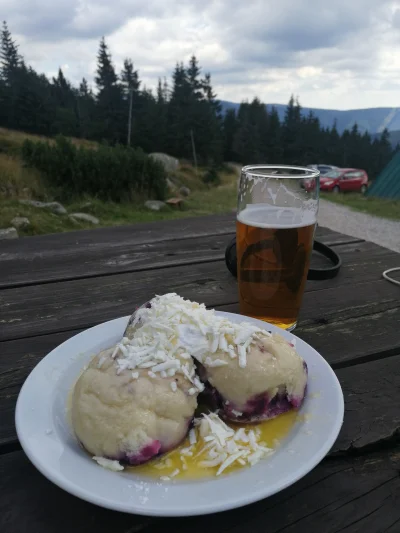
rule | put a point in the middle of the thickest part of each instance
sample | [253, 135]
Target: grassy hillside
[18, 182]
[11, 140]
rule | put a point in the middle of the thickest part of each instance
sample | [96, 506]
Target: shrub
[17, 181]
[109, 173]
[211, 177]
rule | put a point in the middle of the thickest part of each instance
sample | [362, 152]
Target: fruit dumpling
[250, 374]
[135, 401]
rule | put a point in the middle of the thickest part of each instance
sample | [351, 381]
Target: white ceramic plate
[48, 441]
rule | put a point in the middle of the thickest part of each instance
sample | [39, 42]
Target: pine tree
[178, 114]
[193, 73]
[84, 89]
[10, 60]
[161, 110]
[209, 124]
[86, 106]
[148, 124]
[230, 126]
[274, 144]
[62, 90]
[211, 97]
[310, 142]
[384, 152]
[67, 111]
[291, 132]
[247, 139]
[344, 143]
[109, 98]
[105, 73]
[129, 78]
[33, 103]
[160, 92]
[332, 146]
[130, 85]
[10, 66]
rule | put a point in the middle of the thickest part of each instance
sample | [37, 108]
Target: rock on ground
[170, 163]
[155, 205]
[8, 233]
[184, 191]
[20, 222]
[84, 217]
[54, 207]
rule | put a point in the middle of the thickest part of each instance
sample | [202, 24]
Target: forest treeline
[181, 112]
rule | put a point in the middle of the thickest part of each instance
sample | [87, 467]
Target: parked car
[323, 169]
[345, 179]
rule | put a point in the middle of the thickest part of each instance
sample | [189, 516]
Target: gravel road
[374, 229]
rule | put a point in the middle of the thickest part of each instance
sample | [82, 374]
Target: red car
[344, 179]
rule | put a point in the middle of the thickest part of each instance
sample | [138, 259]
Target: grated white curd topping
[224, 446]
[213, 444]
[115, 466]
[172, 330]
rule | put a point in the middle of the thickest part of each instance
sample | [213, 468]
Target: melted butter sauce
[272, 432]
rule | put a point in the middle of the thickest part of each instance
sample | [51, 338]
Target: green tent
[387, 184]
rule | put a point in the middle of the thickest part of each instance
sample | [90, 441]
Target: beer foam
[272, 217]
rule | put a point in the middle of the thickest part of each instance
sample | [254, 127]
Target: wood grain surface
[54, 286]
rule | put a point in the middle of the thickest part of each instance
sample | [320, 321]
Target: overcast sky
[337, 54]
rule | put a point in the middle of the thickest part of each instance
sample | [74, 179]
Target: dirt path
[374, 229]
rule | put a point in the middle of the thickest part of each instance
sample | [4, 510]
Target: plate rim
[256, 494]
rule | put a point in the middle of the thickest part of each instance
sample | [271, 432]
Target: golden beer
[274, 248]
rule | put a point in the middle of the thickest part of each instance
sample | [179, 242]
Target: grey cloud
[339, 36]
[85, 19]
[273, 34]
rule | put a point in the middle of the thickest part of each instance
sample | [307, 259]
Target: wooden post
[194, 151]
[128, 141]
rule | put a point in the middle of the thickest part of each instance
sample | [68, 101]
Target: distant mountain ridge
[394, 137]
[373, 119]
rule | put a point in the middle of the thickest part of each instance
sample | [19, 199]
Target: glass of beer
[276, 221]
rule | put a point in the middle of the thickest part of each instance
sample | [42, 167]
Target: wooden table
[53, 286]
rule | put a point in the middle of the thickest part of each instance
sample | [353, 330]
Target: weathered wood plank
[350, 339]
[42, 267]
[337, 325]
[339, 495]
[162, 230]
[60, 306]
[17, 359]
[73, 304]
[91, 262]
[30, 503]
[43, 260]
[372, 414]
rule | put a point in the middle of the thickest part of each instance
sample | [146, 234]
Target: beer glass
[276, 220]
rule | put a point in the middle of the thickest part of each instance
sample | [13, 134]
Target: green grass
[11, 141]
[17, 182]
[372, 206]
[217, 200]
